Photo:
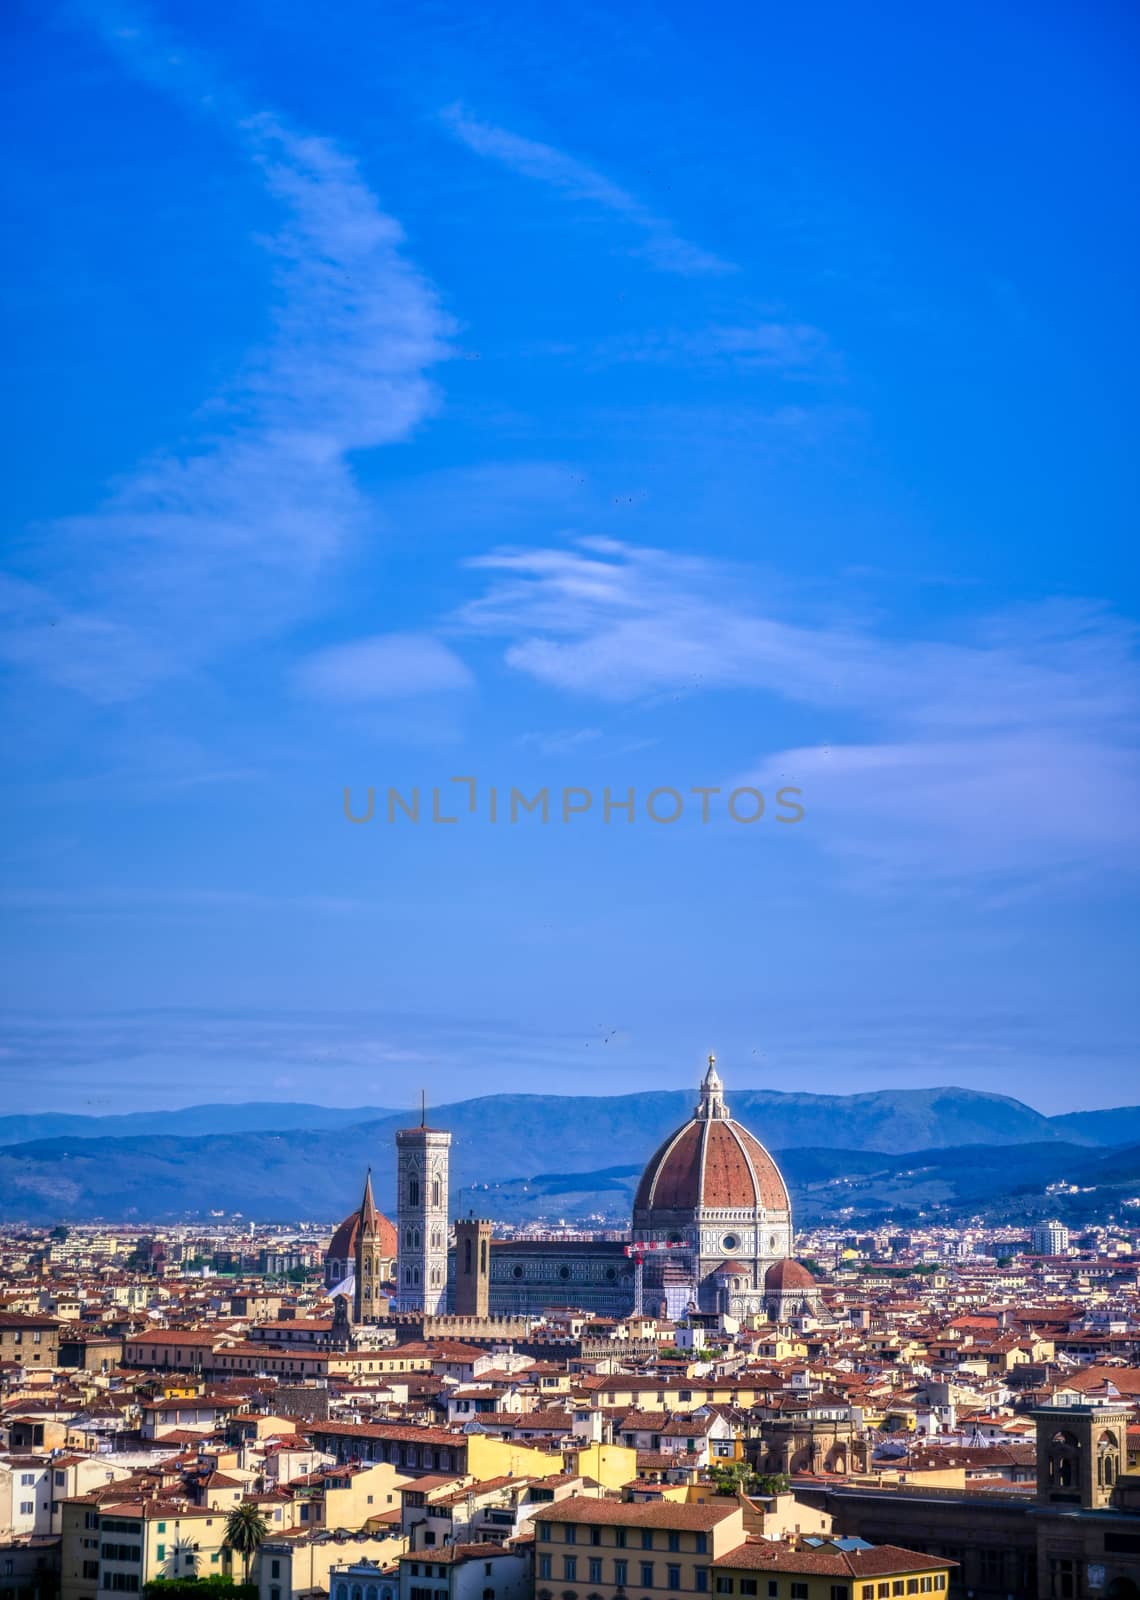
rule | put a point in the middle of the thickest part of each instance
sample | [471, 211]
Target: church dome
[343, 1244]
[787, 1277]
[711, 1162]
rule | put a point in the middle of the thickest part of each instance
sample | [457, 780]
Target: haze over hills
[881, 1119]
[311, 1163]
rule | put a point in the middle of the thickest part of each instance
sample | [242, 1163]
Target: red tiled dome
[787, 1275]
[343, 1244]
[711, 1161]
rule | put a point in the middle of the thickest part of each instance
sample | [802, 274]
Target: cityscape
[417, 1404]
[570, 830]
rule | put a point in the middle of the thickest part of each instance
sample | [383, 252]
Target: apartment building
[607, 1548]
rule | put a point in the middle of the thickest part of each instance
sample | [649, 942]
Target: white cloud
[661, 245]
[390, 666]
[1011, 747]
[199, 546]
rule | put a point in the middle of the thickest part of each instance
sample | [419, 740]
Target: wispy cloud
[1009, 747]
[199, 545]
[390, 666]
[661, 244]
[792, 348]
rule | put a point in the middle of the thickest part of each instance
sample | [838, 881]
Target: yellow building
[610, 1547]
[119, 1548]
[775, 1570]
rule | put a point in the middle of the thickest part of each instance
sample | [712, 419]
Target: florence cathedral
[711, 1232]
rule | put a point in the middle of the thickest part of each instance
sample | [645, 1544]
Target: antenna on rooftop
[423, 1108]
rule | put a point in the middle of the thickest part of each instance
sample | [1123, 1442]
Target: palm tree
[246, 1530]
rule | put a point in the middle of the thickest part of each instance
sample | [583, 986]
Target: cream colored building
[607, 1548]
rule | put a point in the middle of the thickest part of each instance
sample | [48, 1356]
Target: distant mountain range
[280, 1161]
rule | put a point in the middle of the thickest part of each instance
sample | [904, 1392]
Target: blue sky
[608, 397]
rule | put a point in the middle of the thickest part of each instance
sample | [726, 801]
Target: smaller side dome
[788, 1275]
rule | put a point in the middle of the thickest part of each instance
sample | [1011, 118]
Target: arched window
[416, 1238]
[1064, 1455]
[413, 1191]
[435, 1192]
[467, 1256]
[408, 1237]
[483, 1256]
[415, 1274]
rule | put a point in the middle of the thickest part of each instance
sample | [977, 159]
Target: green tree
[730, 1477]
[246, 1530]
[773, 1483]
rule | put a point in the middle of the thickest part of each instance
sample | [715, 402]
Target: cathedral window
[435, 1192]
[413, 1191]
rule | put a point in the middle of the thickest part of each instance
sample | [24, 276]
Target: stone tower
[366, 1298]
[472, 1267]
[1080, 1454]
[421, 1219]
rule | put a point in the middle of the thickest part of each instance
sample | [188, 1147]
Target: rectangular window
[839, 1591]
[595, 1569]
[595, 1535]
[799, 1591]
[773, 1588]
[27, 1507]
[160, 1553]
[570, 1568]
[647, 1574]
[674, 1577]
[621, 1568]
[544, 1532]
[702, 1543]
[647, 1538]
[674, 1541]
[619, 1538]
[544, 1566]
[702, 1580]
[724, 1585]
[571, 1533]
[749, 1586]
